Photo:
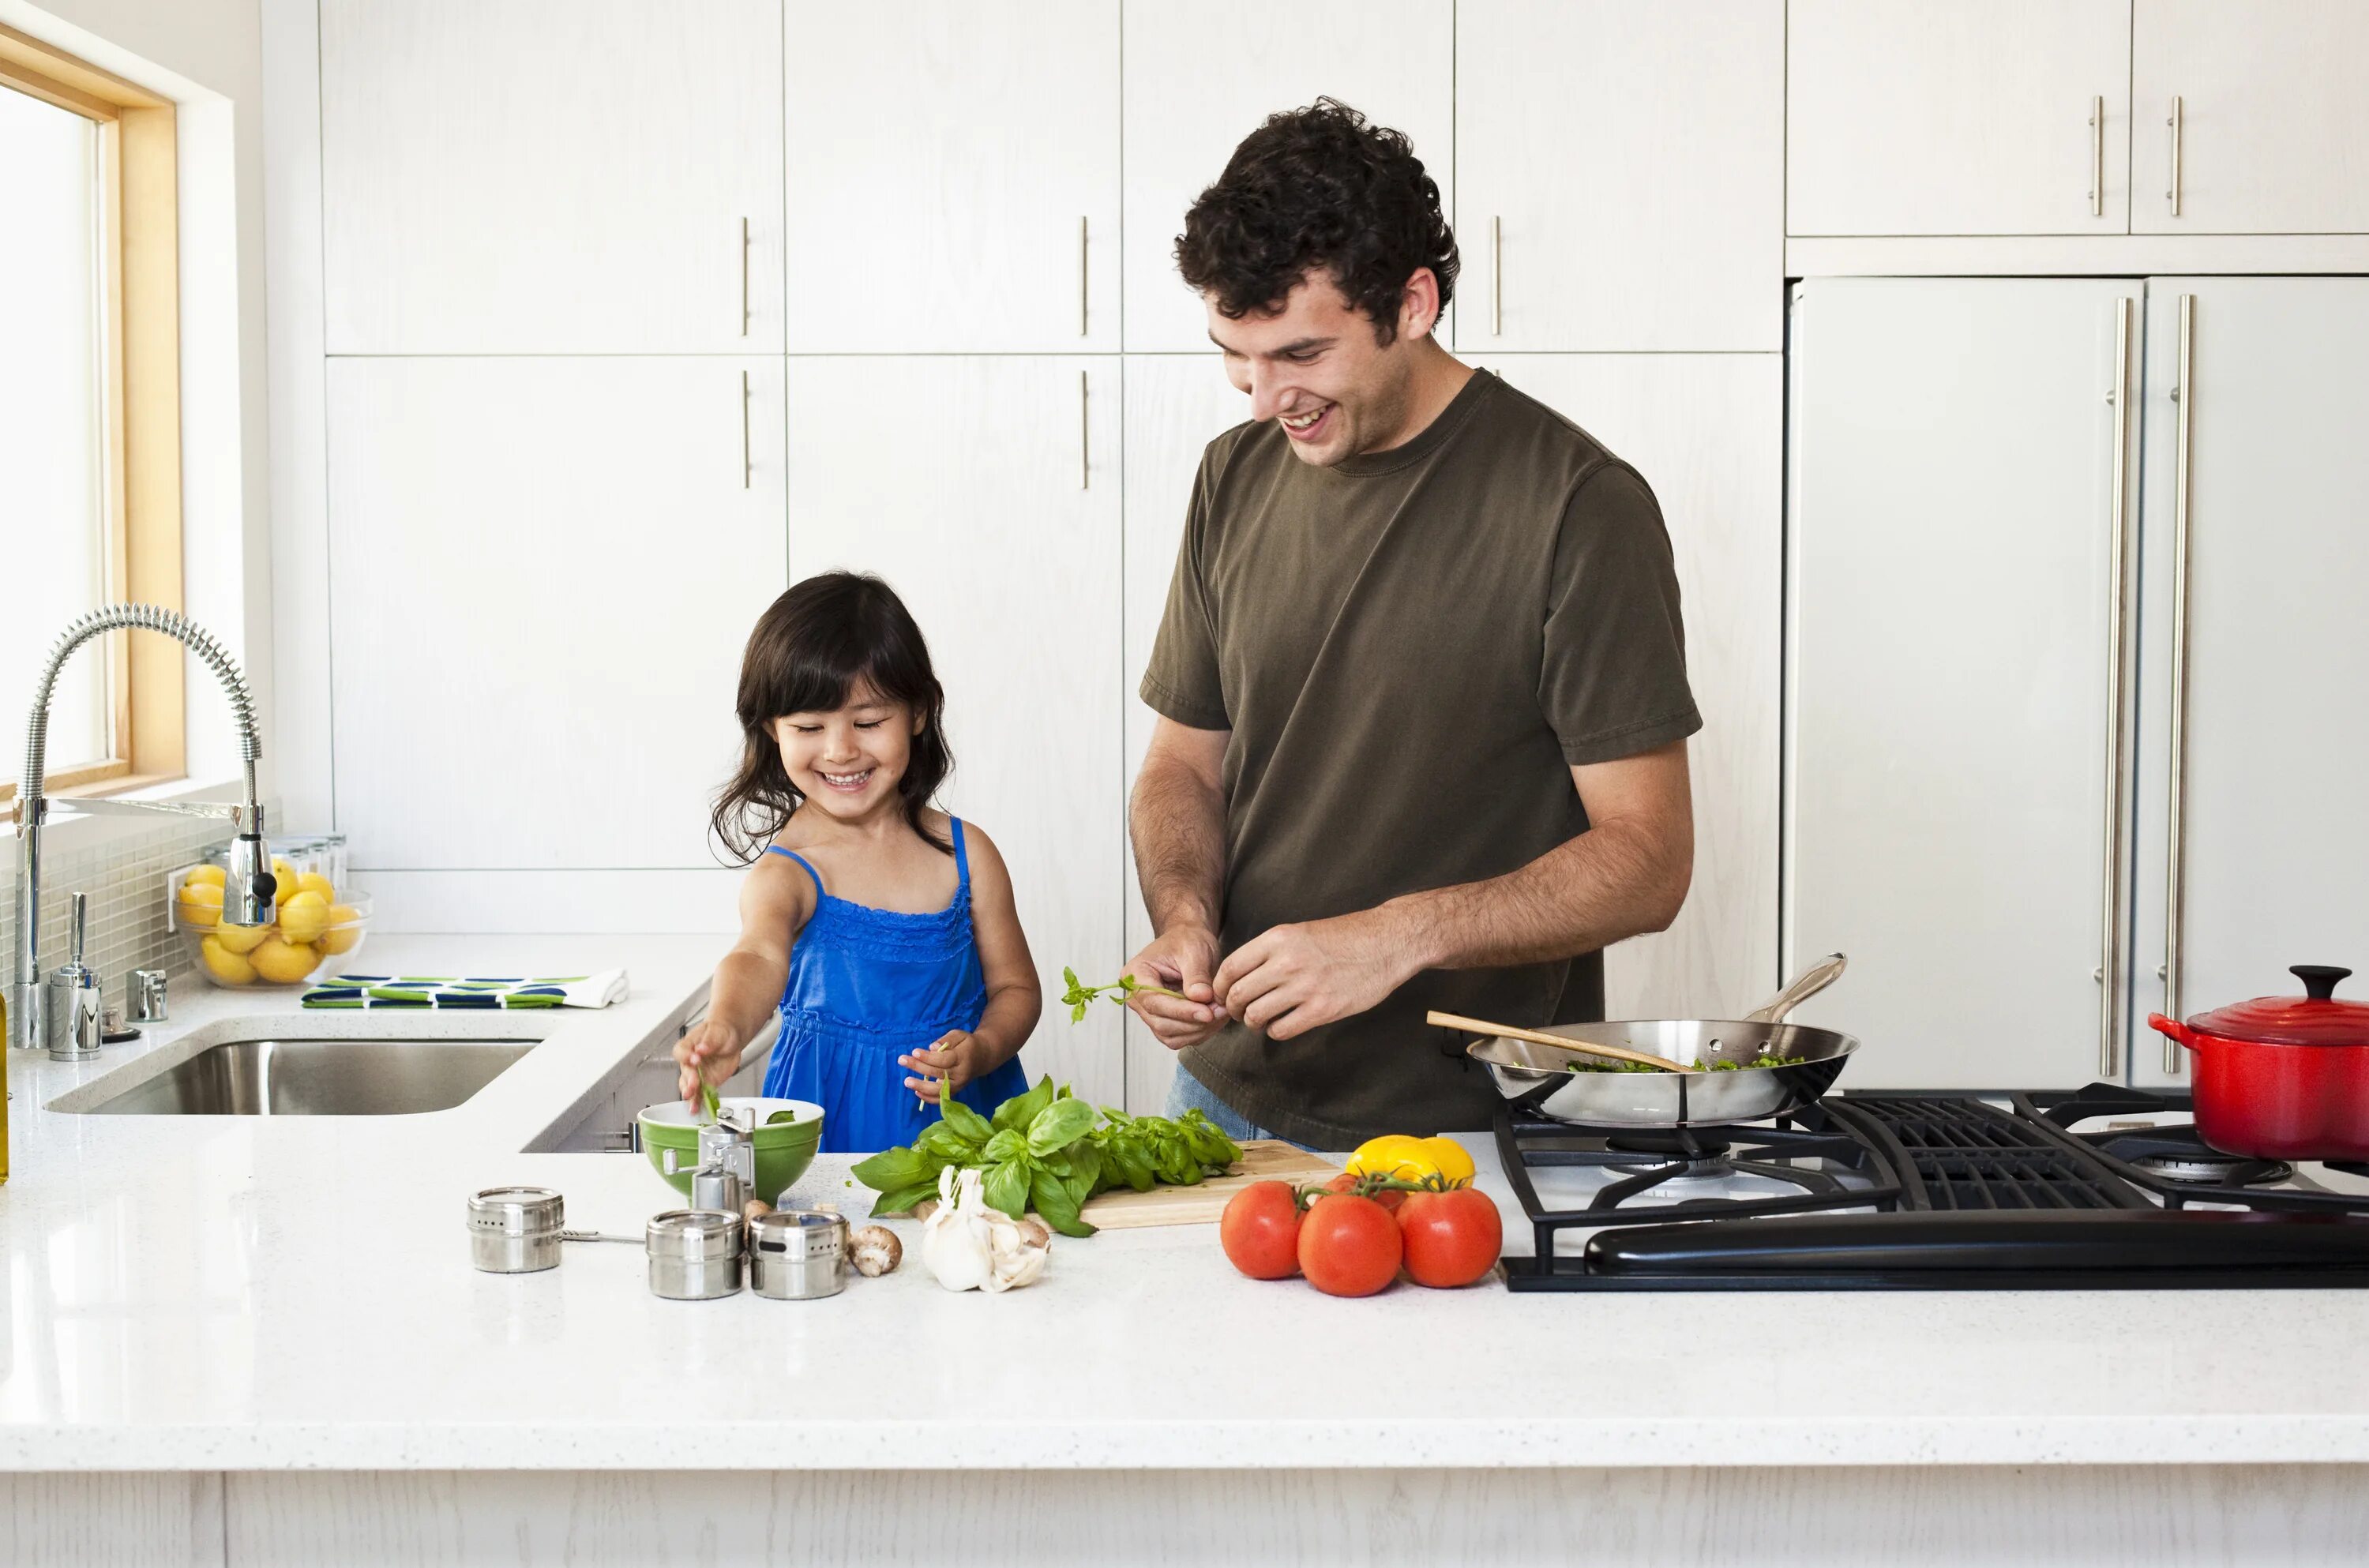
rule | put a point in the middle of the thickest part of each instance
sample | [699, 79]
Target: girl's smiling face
[848, 760]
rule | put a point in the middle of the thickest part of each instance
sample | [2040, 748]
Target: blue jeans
[1187, 1093]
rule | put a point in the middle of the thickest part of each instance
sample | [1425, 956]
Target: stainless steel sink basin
[319, 1077]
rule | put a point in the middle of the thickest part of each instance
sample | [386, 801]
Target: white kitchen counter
[254, 1293]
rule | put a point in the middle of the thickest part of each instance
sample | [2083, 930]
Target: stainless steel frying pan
[1539, 1077]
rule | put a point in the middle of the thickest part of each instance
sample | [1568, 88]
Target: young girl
[883, 931]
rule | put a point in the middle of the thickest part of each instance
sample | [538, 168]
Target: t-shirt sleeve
[1182, 680]
[1613, 679]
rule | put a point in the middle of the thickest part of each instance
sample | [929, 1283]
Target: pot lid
[2313, 1019]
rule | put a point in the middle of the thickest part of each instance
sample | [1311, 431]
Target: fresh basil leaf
[1008, 1144]
[1084, 1176]
[900, 1201]
[1021, 1109]
[1006, 1187]
[894, 1168]
[968, 1123]
[1060, 1125]
[1053, 1203]
[1134, 1168]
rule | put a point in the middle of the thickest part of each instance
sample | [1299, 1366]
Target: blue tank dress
[867, 986]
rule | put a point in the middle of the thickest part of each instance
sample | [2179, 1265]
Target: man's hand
[952, 1059]
[1291, 979]
[710, 1051]
[1180, 958]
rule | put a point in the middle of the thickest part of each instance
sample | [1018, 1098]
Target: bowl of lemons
[316, 932]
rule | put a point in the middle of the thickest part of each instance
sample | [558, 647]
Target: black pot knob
[2318, 979]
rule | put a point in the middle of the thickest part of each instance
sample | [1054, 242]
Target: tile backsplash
[125, 878]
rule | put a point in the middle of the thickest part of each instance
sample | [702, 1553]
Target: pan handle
[1813, 980]
[2172, 1028]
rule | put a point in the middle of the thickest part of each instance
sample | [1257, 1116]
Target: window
[89, 412]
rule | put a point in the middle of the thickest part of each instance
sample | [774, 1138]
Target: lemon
[200, 905]
[345, 929]
[283, 963]
[303, 916]
[1396, 1155]
[314, 882]
[240, 938]
[285, 872]
[1448, 1155]
[204, 877]
[231, 968]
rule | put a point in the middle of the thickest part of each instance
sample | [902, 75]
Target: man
[1421, 678]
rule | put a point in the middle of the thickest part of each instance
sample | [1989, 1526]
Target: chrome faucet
[248, 890]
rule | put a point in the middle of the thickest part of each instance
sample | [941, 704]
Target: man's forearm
[1178, 823]
[1611, 882]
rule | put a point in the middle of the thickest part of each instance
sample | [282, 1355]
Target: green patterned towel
[597, 990]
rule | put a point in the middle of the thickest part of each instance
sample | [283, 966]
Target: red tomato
[1260, 1230]
[1451, 1238]
[1348, 1245]
[1347, 1182]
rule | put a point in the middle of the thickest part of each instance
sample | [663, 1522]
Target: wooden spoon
[1541, 1038]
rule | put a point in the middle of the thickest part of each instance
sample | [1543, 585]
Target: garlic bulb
[969, 1246]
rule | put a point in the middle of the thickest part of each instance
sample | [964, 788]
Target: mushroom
[876, 1251]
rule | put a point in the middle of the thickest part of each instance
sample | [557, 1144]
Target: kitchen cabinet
[1002, 537]
[551, 176]
[1958, 117]
[542, 572]
[954, 175]
[2272, 132]
[1619, 175]
[1706, 431]
[1193, 91]
[2264, 668]
[1952, 627]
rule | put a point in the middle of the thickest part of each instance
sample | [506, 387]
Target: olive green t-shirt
[1411, 648]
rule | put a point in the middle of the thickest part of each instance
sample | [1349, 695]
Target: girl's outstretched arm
[1013, 999]
[776, 901]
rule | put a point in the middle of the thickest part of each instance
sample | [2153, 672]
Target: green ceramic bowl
[784, 1150]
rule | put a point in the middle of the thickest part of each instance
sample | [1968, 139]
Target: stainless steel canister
[694, 1253]
[515, 1230]
[797, 1254]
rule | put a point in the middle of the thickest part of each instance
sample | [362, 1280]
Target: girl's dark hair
[826, 638]
[1318, 187]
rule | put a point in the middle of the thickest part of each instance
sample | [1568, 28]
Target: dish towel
[488, 991]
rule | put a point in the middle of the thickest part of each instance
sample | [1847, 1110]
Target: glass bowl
[318, 933]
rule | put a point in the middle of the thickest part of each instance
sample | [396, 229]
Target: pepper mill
[727, 1167]
[73, 1022]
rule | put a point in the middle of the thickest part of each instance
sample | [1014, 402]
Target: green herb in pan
[1764, 1059]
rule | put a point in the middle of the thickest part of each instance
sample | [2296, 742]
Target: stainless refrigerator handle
[1085, 447]
[2176, 853]
[744, 277]
[2109, 1055]
[2178, 114]
[1496, 277]
[2097, 157]
[748, 467]
[1081, 276]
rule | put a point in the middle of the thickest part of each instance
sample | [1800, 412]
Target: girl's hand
[707, 1052]
[953, 1058]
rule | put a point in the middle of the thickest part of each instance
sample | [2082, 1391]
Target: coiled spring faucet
[249, 890]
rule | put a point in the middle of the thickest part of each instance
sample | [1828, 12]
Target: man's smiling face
[1313, 366]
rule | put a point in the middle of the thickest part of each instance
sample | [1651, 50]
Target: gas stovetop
[2098, 1188]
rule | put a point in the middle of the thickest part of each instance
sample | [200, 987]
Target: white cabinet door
[1950, 539]
[552, 176]
[953, 176]
[1620, 174]
[1706, 430]
[2270, 808]
[2274, 126]
[542, 572]
[1176, 404]
[1201, 78]
[1956, 116]
[1005, 543]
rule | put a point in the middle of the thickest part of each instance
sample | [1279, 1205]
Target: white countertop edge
[1219, 1445]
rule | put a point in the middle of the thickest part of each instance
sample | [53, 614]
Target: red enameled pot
[2282, 1077]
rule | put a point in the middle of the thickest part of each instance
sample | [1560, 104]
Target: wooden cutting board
[1263, 1160]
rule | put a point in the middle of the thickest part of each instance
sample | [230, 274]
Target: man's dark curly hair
[1318, 187]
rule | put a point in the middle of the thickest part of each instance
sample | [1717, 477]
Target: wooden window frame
[140, 245]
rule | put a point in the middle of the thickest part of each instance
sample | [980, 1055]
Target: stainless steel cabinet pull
[1081, 276]
[1496, 277]
[744, 277]
[2109, 1055]
[2097, 157]
[1085, 470]
[2172, 195]
[747, 468]
[2175, 857]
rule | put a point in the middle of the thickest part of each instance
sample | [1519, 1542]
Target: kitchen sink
[294, 1077]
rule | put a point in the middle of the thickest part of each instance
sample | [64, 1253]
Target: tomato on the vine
[1451, 1238]
[1349, 1245]
[1260, 1230]
[1350, 1181]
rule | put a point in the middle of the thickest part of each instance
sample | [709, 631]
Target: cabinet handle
[2109, 1053]
[744, 277]
[747, 468]
[1085, 476]
[2097, 157]
[1081, 276]
[1496, 277]
[2177, 115]
[2175, 1060]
